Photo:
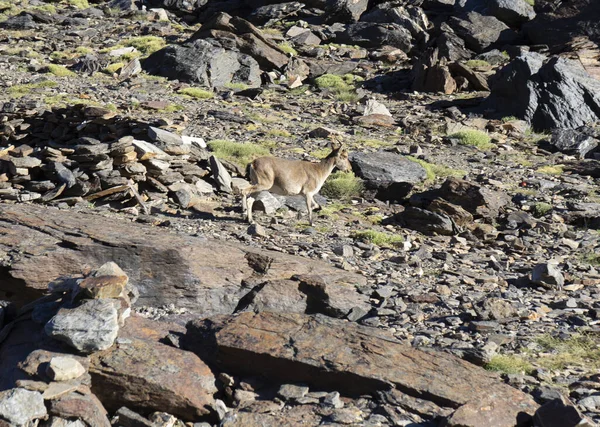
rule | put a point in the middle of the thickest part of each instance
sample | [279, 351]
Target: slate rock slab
[208, 274]
[90, 327]
[511, 12]
[334, 354]
[480, 31]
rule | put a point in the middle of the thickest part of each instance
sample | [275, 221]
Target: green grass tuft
[591, 258]
[146, 44]
[434, 170]
[287, 48]
[113, 68]
[379, 238]
[475, 63]
[24, 89]
[236, 86]
[541, 208]
[197, 93]
[530, 2]
[474, 138]
[79, 4]
[341, 86]
[509, 364]
[577, 351]
[342, 185]
[235, 151]
[551, 170]
[59, 70]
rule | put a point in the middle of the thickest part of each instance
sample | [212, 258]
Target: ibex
[291, 177]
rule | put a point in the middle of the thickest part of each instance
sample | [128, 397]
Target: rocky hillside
[451, 279]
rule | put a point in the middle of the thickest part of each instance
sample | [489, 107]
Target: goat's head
[341, 156]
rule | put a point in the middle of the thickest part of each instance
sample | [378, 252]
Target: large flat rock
[339, 355]
[38, 245]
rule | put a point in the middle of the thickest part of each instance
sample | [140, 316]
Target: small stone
[548, 275]
[292, 391]
[257, 230]
[345, 251]
[129, 418]
[64, 369]
[333, 400]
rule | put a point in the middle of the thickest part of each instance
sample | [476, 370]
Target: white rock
[193, 140]
[64, 368]
[19, 406]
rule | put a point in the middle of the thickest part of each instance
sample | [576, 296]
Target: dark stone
[549, 93]
[204, 63]
[480, 32]
[426, 222]
[573, 141]
[345, 10]
[390, 175]
[374, 35]
[23, 21]
[512, 12]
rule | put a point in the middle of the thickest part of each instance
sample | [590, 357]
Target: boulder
[345, 10]
[513, 13]
[549, 93]
[333, 354]
[480, 31]
[202, 275]
[375, 35]
[389, 175]
[205, 63]
[261, 15]
[410, 17]
[573, 141]
[425, 221]
[560, 412]
[146, 375]
[19, 406]
[64, 368]
[548, 275]
[84, 406]
[90, 327]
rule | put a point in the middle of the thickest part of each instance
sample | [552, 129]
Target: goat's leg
[244, 202]
[309, 204]
[249, 203]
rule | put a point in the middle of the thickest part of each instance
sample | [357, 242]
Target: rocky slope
[473, 229]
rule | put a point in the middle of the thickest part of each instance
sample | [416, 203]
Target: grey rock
[267, 203]
[164, 137]
[480, 32]
[410, 17]
[19, 406]
[204, 63]
[549, 93]
[19, 22]
[333, 400]
[63, 175]
[495, 309]
[90, 327]
[257, 230]
[511, 12]
[345, 251]
[220, 175]
[573, 141]
[345, 10]
[450, 46]
[263, 14]
[292, 391]
[425, 221]
[591, 403]
[374, 35]
[391, 176]
[548, 275]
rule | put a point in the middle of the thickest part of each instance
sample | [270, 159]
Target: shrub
[578, 350]
[113, 68]
[24, 89]
[235, 151]
[473, 137]
[379, 238]
[197, 93]
[342, 185]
